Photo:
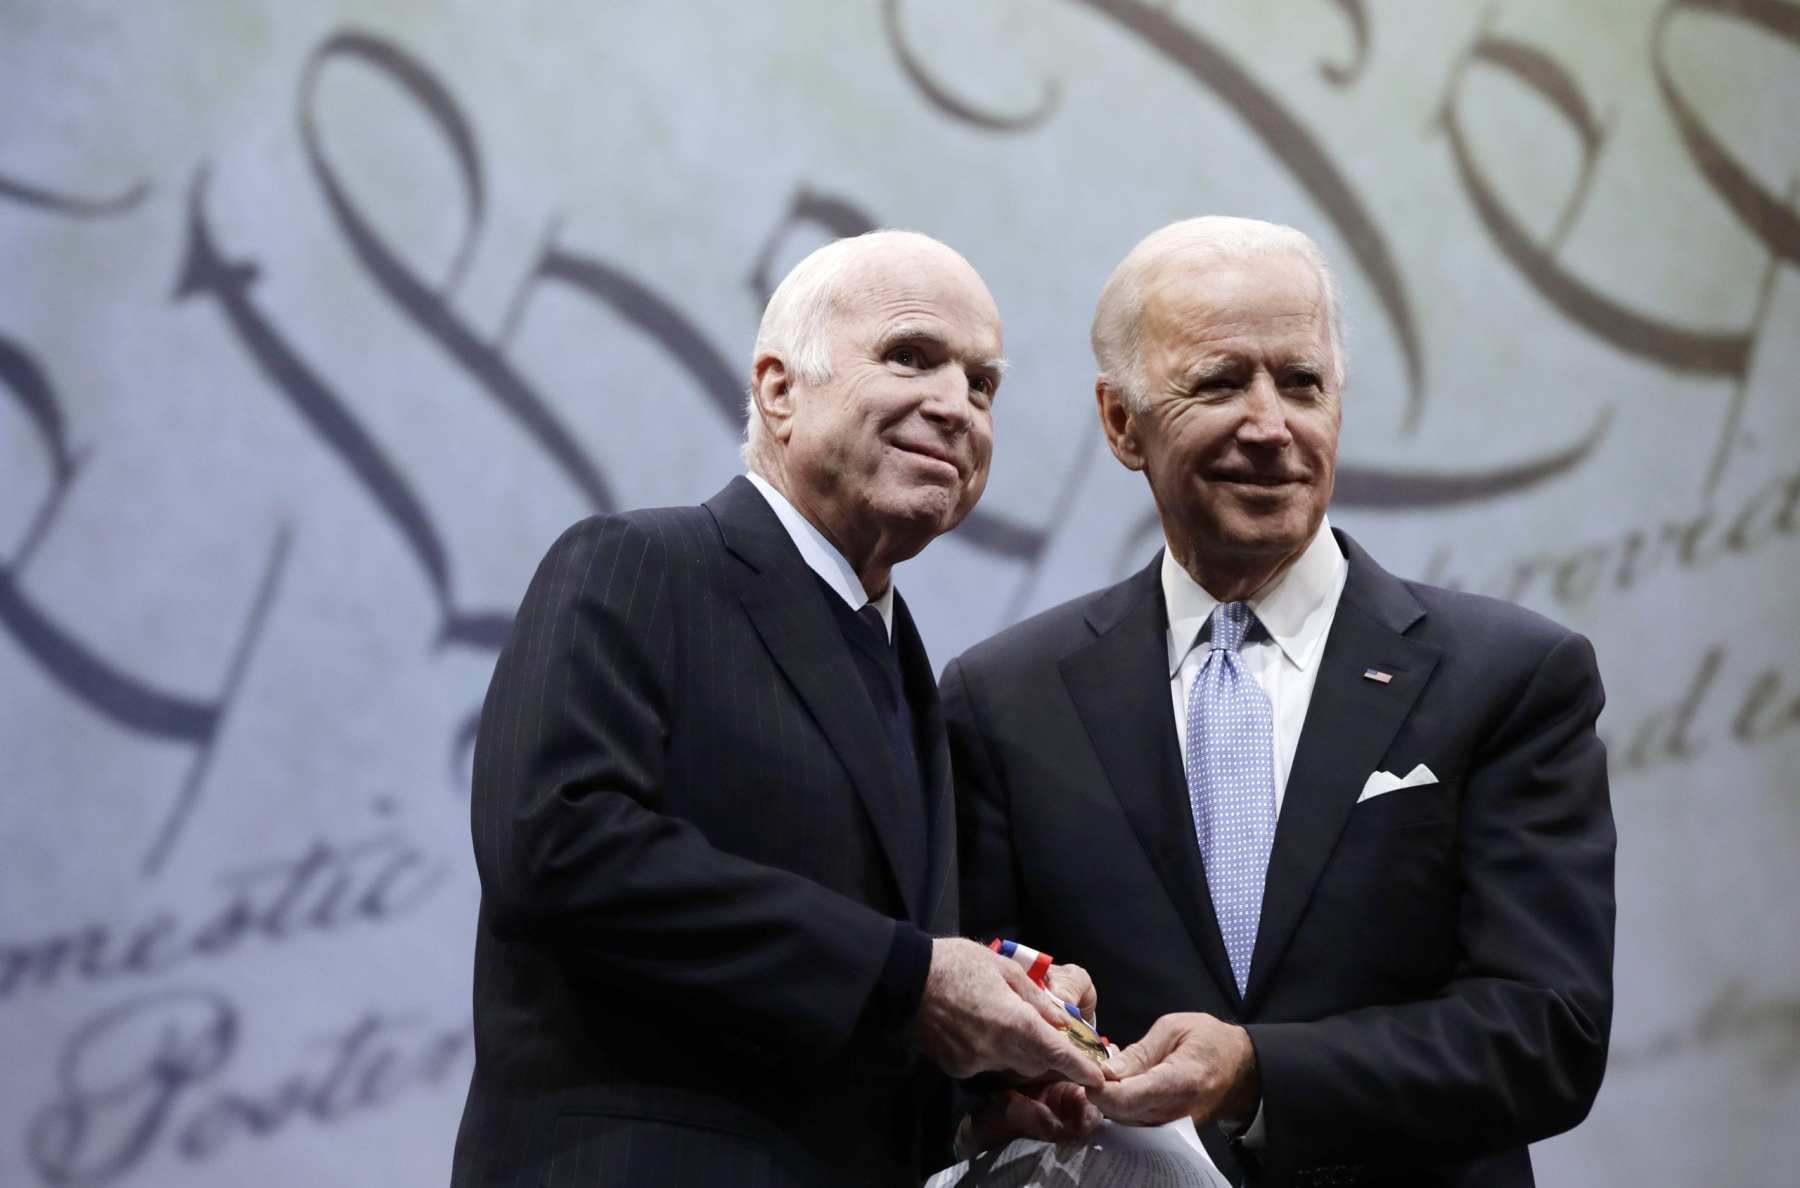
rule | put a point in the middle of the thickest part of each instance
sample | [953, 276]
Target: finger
[1065, 1058]
[1167, 1032]
[1131, 1061]
[1137, 1102]
[1068, 1102]
[1037, 1045]
[1163, 1038]
[1076, 1117]
[1152, 1098]
[1062, 1096]
[1079, 1116]
[1032, 1119]
[1033, 995]
[1071, 983]
[1035, 1051]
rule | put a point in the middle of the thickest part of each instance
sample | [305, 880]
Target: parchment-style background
[318, 322]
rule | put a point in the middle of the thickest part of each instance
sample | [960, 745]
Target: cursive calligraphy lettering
[326, 888]
[146, 1076]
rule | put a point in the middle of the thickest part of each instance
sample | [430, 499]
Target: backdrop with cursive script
[319, 322]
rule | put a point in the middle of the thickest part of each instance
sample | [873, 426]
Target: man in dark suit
[1337, 846]
[711, 802]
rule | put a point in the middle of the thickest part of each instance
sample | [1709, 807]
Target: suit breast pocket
[1410, 830]
[1419, 800]
[1392, 882]
[1421, 806]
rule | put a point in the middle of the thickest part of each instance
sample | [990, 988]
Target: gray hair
[797, 320]
[1117, 333]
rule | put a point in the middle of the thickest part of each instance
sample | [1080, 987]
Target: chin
[931, 511]
[1265, 540]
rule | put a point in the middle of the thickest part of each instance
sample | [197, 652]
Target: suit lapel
[1350, 722]
[1120, 686]
[788, 610]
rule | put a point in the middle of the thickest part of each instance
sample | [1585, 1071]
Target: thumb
[1164, 1035]
[1131, 1061]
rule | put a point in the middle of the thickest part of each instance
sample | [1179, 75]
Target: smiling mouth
[1258, 480]
[928, 453]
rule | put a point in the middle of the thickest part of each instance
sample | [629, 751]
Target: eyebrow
[1224, 365]
[1215, 367]
[911, 331]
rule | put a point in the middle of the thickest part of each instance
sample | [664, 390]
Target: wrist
[1241, 1101]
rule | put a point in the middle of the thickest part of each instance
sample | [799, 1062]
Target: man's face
[894, 447]
[1239, 438]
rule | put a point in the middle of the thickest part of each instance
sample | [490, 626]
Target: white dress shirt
[1296, 609]
[822, 557]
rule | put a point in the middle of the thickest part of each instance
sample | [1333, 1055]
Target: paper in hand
[1115, 1156]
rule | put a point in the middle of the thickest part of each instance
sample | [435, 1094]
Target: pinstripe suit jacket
[681, 807]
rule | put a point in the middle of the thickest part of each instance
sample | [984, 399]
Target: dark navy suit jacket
[683, 814]
[1431, 986]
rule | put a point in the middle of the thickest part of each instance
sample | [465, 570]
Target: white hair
[796, 323]
[1117, 333]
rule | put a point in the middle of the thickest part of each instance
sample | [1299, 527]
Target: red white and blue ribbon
[1035, 964]
[1037, 967]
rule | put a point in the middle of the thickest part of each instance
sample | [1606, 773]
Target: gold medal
[1085, 1037]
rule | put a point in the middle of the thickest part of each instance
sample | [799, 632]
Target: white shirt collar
[1294, 608]
[822, 557]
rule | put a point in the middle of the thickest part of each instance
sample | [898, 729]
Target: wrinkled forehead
[924, 289]
[1266, 298]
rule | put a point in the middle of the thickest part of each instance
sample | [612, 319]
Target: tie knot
[1231, 622]
[870, 615]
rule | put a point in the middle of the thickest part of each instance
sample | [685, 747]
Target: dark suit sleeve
[990, 895]
[575, 847]
[1513, 1048]
[989, 888]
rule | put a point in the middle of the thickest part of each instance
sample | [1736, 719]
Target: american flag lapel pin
[1378, 676]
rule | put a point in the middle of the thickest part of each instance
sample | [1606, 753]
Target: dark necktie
[878, 663]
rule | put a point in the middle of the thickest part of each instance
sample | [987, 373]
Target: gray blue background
[319, 322]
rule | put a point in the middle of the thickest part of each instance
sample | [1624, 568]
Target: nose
[947, 401]
[1265, 417]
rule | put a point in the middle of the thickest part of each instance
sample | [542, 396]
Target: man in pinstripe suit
[711, 804]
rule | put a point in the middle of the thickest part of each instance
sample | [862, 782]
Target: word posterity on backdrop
[319, 322]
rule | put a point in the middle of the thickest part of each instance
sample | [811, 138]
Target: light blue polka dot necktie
[1230, 765]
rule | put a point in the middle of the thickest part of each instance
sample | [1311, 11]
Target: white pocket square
[1381, 782]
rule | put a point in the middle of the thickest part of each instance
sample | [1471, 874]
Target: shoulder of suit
[1045, 637]
[1498, 632]
[667, 532]
[1464, 608]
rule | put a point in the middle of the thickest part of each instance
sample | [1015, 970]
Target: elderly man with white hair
[711, 802]
[1336, 847]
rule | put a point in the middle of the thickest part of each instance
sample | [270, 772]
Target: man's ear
[771, 387]
[1120, 424]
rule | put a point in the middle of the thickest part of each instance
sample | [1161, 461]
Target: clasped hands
[980, 1013]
